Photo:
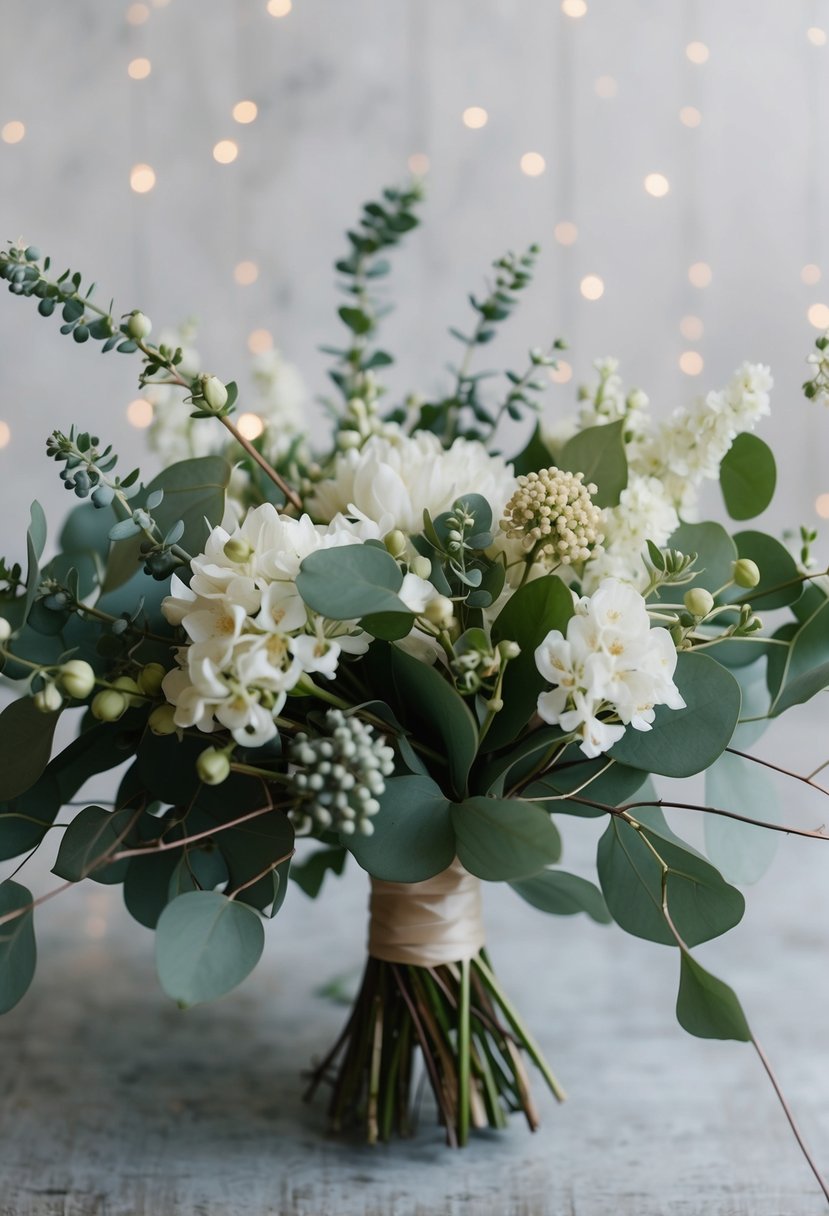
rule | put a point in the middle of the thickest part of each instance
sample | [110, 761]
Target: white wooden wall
[347, 91]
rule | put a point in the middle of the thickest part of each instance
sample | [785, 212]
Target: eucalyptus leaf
[18, 951]
[504, 839]
[310, 874]
[741, 851]
[206, 944]
[806, 671]
[350, 582]
[413, 838]
[431, 704]
[25, 746]
[563, 894]
[92, 833]
[599, 453]
[716, 554]
[706, 1007]
[748, 476]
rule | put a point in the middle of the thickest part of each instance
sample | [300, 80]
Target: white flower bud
[139, 327]
[440, 611]
[395, 543]
[5, 629]
[48, 700]
[421, 566]
[698, 601]
[77, 679]
[238, 549]
[745, 573]
[150, 678]
[109, 705]
[213, 766]
[130, 690]
[213, 391]
[509, 650]
[162, 721]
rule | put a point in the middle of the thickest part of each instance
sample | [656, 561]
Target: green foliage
[352, 581]
[206, 944]
[780, 582]
[701, 904]
[686, 741]
[18, 952]
[706, 1007]
[309, 875]
[504, 839]
[147, 885]
[716, 552]
[251, 847]
[563, 894]
[743, 853]
[599, 453]
[93, 833]
[413, 838]
[25, 746]
[748, 476]
[15, 608]
[611, 786]
[527, 617]
[437, 713]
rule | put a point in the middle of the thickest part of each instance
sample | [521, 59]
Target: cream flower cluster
[393, 478]
[552, 513]
[251, 636]
[645, 512]
[610, 663]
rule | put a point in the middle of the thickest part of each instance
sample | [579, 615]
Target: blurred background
[202, 160]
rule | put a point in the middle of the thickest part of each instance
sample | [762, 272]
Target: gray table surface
[117, 1104]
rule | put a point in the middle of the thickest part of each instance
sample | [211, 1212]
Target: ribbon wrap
[426, 923]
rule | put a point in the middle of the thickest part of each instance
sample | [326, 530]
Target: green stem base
[469, 1037]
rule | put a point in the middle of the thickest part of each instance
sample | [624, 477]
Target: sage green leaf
[706, 1007]
[91, 834]
[514, 765]
[686, 741]
[147, 884]
[199, 869]
[527, 617]
[504, 839]
[350, 582]
[779, 584]
[716, 553]
[612, 786]
[437, 712]
[18, 951]
[701, 903]
[748, 476]
[806, 671]
[309, 875]
[599, 453]
[536, 455]
[206, 944]
[413, 837]
[740, 851]
[25, 746]
[563, 894]
[249, 848]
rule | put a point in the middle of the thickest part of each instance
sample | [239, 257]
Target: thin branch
[787, 1111]
[262, 874]
[785, 771]
[621, 811]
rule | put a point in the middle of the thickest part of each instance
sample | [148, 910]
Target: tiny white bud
[508, 649]
[238, 549]
[162, 721]
[150, 678]
[48, 700]
[77, 679]
[109, 705]
[698, 601]
[213, 766]
[421, 566]
[213, 391]
[5, 629]
[746, 573]
[139, 327]
[130, 690]
[395, 543]
[440, 611]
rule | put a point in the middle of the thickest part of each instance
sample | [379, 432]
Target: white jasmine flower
[645, 512]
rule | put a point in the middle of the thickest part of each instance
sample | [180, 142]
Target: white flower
[610, 663]
[645, 512]
[393, 479]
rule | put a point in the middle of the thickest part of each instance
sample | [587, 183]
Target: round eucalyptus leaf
[206, 944]
[18, 952]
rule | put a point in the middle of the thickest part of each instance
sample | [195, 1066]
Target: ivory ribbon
[426, 923]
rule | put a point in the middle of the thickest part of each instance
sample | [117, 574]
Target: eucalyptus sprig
[667, 568]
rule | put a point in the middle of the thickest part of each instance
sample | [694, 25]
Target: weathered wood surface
[116, 1104]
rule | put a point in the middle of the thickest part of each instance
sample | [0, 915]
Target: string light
[250, 426]
[592, 287]
[691, 362]
[259, 341]
[657, 185]
[818, 315]
[474, 117]
[606, 87]
[418, 163]
[573, 8]
[137, 14]
[565, 232]
[139, 69]
[810, 274]
[697, 52]
[279, 8]
[225, 151]
[691, 328]
[533, 164]
[245, 111]
[245, 273]
[5, 434]
[142, 178]
[699, 274]
[562, 373]
[12, 132]
[816, 35]
[822, 505]
[140, 413]
[690, 116]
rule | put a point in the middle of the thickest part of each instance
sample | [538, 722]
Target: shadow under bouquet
[400, 646]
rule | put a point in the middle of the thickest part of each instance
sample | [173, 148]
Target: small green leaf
[748, 476]
[310, 874]
[504, 839]
[25, 746]
[599, 453]
[92, 833]
[716, 553]
[206, 944]
[350, 582]
[413, 838]
[706, 1007]
[806, 671]
[18, 951]
[438, 712]
[563, 894]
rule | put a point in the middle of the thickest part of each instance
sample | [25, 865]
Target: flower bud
[130, 690]
[108, 705]
[238, 549]
[745, 573]
[508, 650]
[395, 543]
[421, 566]
[5, 629]
[138, 326]
[77, 679]
[440, 611]
[150, 677]
[48, 700]
[162, 721]
[698, 601]
[213, 766]
[213, 391]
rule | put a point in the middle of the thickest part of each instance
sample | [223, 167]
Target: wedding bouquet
[403, 647]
